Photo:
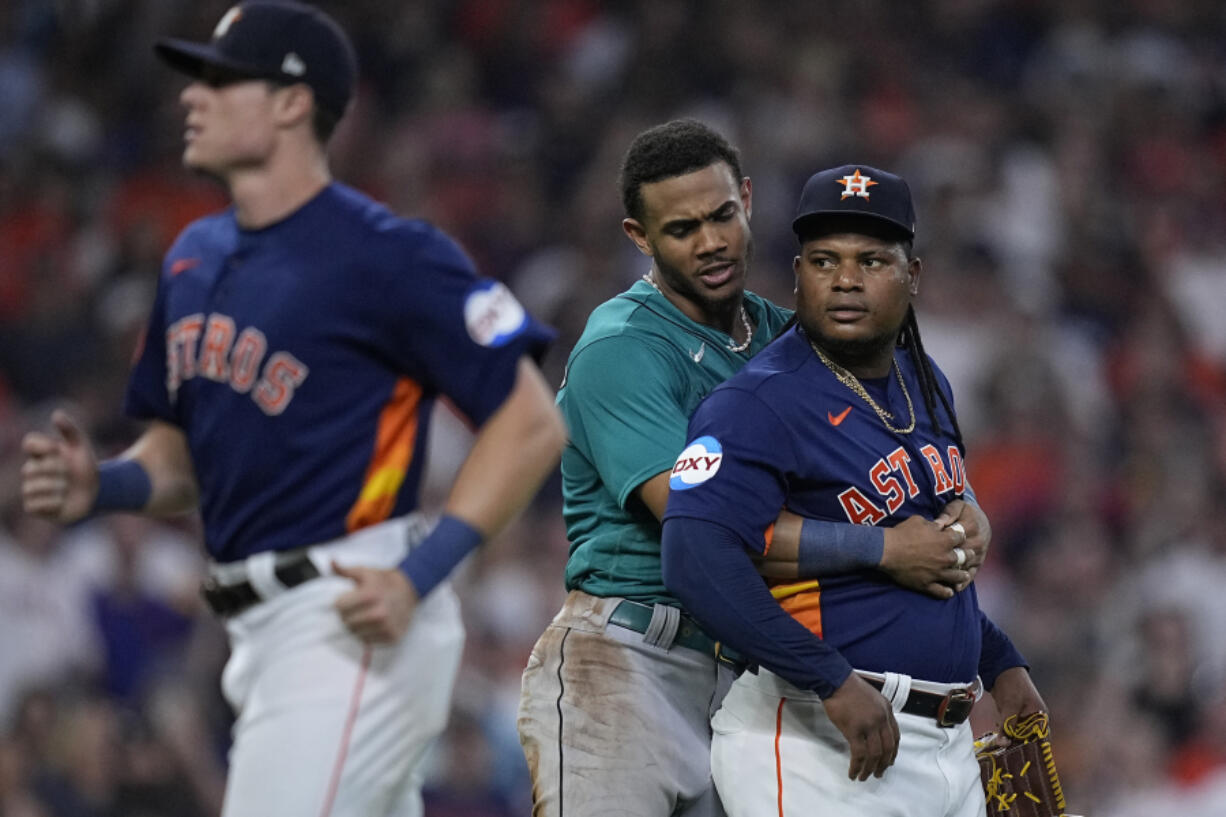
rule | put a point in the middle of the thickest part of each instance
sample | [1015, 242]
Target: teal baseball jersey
[636, 374]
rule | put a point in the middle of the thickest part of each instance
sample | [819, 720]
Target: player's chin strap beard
[731, 347]
[852, 382]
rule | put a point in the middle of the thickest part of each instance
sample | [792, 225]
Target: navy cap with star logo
[851, 191]
[286, 42]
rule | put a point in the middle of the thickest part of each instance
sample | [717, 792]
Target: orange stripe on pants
[778, 756]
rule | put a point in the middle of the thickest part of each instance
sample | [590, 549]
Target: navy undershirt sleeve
[710, 571]
[997, 654]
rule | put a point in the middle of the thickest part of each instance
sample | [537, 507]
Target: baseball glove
[1020, 780]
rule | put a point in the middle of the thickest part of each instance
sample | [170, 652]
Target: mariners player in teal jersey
[296, 345]
[842, 418]
[618, 691]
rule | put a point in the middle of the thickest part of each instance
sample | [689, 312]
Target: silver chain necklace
[731, 347]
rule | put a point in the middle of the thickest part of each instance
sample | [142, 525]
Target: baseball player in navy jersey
[618, 692]
[296, 345]
[861, 701]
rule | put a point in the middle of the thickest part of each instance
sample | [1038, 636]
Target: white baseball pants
[328, 727]
[774, 752]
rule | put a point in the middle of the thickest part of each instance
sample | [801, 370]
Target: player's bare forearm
[162, 450]
[1015, 695]
[917, 553]
[782, 558]
[513, 454]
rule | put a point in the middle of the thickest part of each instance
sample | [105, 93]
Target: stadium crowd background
[1069, 163]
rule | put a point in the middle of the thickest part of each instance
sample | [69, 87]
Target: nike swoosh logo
[702, 350]
[836, 419]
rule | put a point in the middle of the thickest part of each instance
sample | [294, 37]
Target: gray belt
[638, 617]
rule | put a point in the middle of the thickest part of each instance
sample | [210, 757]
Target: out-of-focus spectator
[45, 628]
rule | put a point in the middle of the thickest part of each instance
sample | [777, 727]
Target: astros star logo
[855, 185]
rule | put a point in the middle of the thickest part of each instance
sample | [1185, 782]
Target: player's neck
[723, 315]
[864, 363]
[268, 193]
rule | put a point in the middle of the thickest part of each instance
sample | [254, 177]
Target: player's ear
[796, 275]
[294, 103]
[638, 234]
[747, 196]
[914, 268]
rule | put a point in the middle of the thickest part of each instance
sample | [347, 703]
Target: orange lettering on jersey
[958, 466]
[245, 360]
[216, 348]
[900, 461]
[395, 439]
[859, 508]
[888, 486]
[181, 337]
[283, 374]
[940, 477]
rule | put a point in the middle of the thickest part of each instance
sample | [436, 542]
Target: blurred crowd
[1068, 159]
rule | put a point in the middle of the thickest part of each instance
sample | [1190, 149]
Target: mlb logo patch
[698, 463]
[492, 315]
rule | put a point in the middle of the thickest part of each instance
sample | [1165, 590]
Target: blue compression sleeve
[827, 548]
[709, 570]
[123, 485]
[997, 654]
[445, 547]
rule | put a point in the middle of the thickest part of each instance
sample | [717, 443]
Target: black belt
[232, 599]
[635, 616]
[947, 710]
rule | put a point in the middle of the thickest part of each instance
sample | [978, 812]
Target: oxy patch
[697, 464]
[492, 315]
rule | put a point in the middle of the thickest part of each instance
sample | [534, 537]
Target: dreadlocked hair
[909, 338]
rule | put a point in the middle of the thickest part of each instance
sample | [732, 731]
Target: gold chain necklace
[731, 347]
[852, 382]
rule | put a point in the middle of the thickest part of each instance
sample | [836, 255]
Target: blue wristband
[827, 548]
[123, 485]
[445, 547]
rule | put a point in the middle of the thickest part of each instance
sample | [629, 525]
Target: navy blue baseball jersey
[301, 360]
[785, 432]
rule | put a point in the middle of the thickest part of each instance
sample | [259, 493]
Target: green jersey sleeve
[628, 408]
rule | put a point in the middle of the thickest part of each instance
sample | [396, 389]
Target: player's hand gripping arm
[61, 475]
[513, 453]
[917, 553]
[978, 530]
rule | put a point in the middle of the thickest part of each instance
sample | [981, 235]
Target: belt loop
[663, 627]
[896, 688]
[261, 573]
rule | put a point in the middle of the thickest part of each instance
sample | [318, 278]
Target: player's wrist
[834, 547]
[123, 485]
[431, 561]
